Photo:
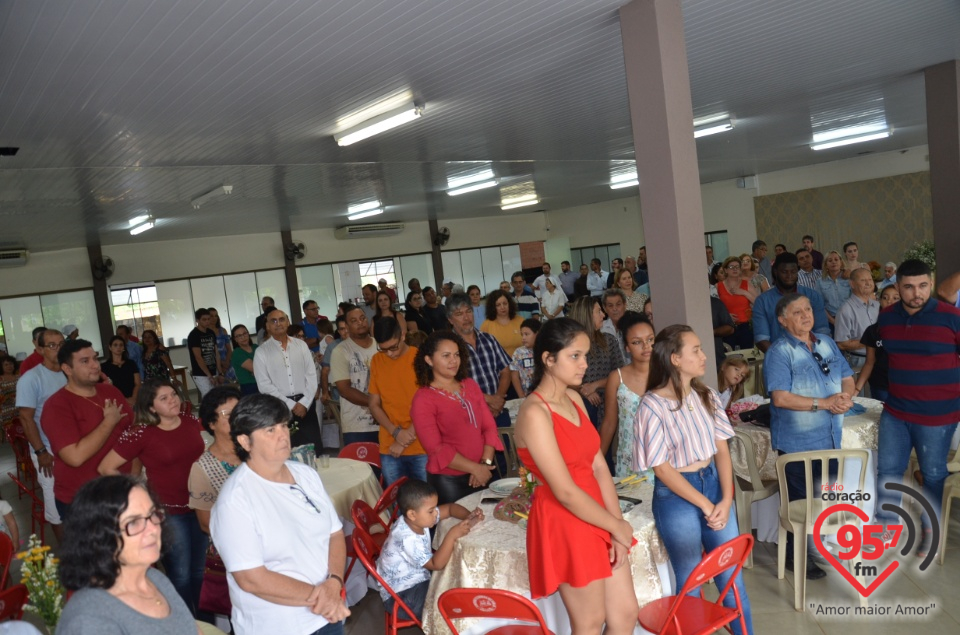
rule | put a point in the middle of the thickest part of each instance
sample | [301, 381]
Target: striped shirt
[811, 279]
[924, 367]
[486, 362]
[678, 437]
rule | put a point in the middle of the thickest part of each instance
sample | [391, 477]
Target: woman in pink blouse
[452, 419]
[682, 432]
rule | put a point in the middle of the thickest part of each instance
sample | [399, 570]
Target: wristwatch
[40, 450]
[815, 405]
[487, 462]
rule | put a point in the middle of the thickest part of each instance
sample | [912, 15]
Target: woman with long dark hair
[502, 321]
[682, 433]
[384, 308]
[242, 359]
[155, 359]
[577, 539]
[413, 313]
[168, 443]
[111, 541]
[452, 420]
[603, 358]
[122, 372]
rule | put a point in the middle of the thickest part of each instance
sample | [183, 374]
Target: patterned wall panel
[883, 216]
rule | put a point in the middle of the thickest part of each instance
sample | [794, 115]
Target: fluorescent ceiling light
[532, 201]
[713, 128]
[623, 179]
[472, 187]
[849, 140]
[139, 229]
[378, 124]
[472, 177]
[362, 207]
[212, 195]
[359, 215]
[139, 219]
[850, 131]
[702, 121]
[622, 184]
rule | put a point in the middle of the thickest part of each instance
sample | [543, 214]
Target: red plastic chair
[6, 558]
[684, 614]
[12, 602]
[365, 518]
[366, 452]
[492, 603]
[21, 452]
[388, 500]
[37, 520]
[368, 552]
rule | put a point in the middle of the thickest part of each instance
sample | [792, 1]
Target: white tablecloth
[493, 555]
[347, 480]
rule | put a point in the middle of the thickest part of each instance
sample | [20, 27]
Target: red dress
[561, 548]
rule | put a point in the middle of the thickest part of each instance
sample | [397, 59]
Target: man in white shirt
[350, 372]
[854, 316]
[596, 279]
[33, 389]
[540, 283]
[283, 367]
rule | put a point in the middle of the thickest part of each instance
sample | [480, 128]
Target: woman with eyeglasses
[167, 443]
[625, 387]
[111, 541]
[277, 531]
[242, 359]
[738, 295]
[413, 313]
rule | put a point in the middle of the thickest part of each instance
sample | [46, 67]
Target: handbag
[759, 416]
[215, 593]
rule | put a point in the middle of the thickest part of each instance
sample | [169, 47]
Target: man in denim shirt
[811, 387]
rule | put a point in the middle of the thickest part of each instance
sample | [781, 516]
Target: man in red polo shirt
[83, 421]
[36, 357]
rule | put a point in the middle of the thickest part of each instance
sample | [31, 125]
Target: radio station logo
[867, 545]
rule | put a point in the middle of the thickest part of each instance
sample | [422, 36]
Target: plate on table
[504, 486]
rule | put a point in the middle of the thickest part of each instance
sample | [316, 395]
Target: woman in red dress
[577, 540]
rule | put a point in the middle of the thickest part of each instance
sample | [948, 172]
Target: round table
[346, 481]
[493, 556]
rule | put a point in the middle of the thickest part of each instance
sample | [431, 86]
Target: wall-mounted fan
[103, 268]
[442, 237]
[294, 251]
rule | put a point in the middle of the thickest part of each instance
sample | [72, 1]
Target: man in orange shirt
[392, 386]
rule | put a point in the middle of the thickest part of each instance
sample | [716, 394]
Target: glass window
[20, 316]
[136, 307]
[373, 270]
[419, 266]
[274, 284]
[316, 283]
[76, 307]
[243, 304]
[175, 304]
[210, 294]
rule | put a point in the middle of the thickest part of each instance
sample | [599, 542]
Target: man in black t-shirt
[875, 368]
[435, 312]
[204, 361]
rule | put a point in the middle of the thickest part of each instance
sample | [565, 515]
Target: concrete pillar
[101, 297]
[943, 140]
[658, 86]
[290, 276]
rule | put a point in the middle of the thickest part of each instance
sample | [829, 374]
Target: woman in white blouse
[682, 433]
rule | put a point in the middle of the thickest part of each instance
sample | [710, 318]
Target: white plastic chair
[748, 491]
[799, 516]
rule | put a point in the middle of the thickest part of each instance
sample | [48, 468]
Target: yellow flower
[21, 555]
[49, 582]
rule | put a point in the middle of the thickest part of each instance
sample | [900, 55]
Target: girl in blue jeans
[682, 432]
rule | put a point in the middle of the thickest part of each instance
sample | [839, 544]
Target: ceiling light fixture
[212, 195]
[376, 125]
[707, 126]
[139, 219]
[846, 136]
[471, 182]
[624, 179]
[365, 209]
[139, 229]
[473, 187]
[514, 202]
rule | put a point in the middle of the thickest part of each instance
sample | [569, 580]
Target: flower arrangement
[41, 576]
[924, 251]
[527, 480]
[876, 271]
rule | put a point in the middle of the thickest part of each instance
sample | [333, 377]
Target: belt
[851, 354]
[296, 397]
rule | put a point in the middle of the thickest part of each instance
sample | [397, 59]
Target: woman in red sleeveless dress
[577, 540]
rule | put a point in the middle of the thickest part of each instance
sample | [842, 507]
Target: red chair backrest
[11, 602]
[6, 557]
[388, 499]
[731, 554]
[365, 518]
[365, 451]
[463, 603]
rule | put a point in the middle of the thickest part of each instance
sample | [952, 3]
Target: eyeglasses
[392, 349]
[282, 320]
[304, 498]
[53, 345]
[733, 266]
[138, 525]
[823, 365]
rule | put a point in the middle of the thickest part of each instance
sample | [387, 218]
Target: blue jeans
[335, 628]
[415, 597]
[249, 389]
[185, 556]
[897, 438]
[360, 437]
[685, 534]
[413, 466]
[880, 394]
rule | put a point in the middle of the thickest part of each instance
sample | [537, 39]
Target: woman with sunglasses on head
[111, 541]
[277, 531]
[167, 443]
[682, 433]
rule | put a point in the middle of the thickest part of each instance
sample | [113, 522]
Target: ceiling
[124, 105]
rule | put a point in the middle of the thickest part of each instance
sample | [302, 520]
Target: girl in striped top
[682, 433]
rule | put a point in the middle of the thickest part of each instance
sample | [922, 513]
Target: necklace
[100, 406]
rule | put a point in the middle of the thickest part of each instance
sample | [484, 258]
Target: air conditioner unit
[13, 257]
[372, 229]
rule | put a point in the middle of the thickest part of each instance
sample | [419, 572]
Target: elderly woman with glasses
[111, 541]
[277, 531]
